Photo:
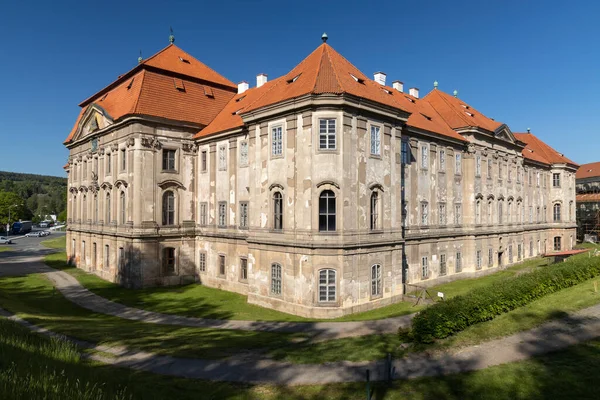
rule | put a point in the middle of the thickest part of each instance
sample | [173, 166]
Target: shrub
[482, 304]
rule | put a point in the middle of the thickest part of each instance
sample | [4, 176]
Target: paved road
[25, 254]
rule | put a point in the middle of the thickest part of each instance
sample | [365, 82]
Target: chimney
[242, 87]
[379, 77]
[413, 91]
[399, 86]
[261, 79]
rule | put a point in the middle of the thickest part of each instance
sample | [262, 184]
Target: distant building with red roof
[588, 201]
[319, 193]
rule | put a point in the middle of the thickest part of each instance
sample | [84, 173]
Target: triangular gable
[94, 119]
[503, 132]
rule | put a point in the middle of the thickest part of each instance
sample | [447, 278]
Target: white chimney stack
[261, 79]
[399, 86]
[379, 77]
[414, 92]
[243, 86]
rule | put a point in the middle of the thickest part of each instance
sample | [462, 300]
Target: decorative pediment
[94, 119]
[106, 185]
[503, 132]
[171, 183]
[83, 188]
[510, 198]
[479, 196]
[275, 186]
[490, 197]
[120, 183]
[501, 197]
[73, 190]
[519, 199]
[332, 183]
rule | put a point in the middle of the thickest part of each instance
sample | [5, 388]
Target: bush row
[482, 304]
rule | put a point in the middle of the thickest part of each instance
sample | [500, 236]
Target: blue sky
[526, 63]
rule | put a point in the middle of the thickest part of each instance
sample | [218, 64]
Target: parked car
[33, 234]
[5, 240]
[45, 233]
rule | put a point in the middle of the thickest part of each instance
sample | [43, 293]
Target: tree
[11, 203]
[62, 217]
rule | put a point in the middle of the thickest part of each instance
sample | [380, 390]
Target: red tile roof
[588, 198]
[325, 71]
[459, 114]
[539, 151]
[196, 94]
[588, 170]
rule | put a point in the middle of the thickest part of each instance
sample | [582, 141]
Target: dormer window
[359, 80]
[293, 79]
[184, 60]
[208, 91]
[130, 83]
[179, 84]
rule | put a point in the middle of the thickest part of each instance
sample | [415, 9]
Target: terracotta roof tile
[588, 198]
[588, 170]
[537, 150]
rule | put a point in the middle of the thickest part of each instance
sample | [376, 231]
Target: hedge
[483, 304]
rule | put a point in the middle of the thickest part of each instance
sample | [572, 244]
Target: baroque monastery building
[320, 193]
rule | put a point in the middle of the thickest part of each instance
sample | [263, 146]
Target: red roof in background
[154, 93]
[539, 151]
[588, 198]
[590, 170]
[325, 71]
[458, 114]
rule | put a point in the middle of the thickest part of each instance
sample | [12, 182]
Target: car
[45, 233]
[33, 234]
[5, 240]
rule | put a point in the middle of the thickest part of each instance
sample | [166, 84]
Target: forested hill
[40, 194]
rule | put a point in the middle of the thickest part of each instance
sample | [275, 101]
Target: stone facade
[267, 210]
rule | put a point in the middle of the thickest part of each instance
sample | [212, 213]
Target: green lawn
[59, 243]
[4, 248]
[35, 367]
[34, 298]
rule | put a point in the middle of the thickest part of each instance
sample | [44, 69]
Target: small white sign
[441, 294]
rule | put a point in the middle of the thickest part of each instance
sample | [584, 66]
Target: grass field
[4, 248]
[35, 367]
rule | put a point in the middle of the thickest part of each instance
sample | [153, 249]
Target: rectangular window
[489, 168]
[94, 255]
[203, 161]
[121, 258]
[500, 209]
[537, 179]
[276, 279]
[424, 268]
[531, 248]
[404, 153]
[442, 212]
[490, 257]
[84, 172]
[478, 259]
[530, 214]
[556, 180]
[510, 254]
[203, 212]
[221, 264]
[168, 160]
[277, 141]
[83, 252]
[509, 173]
[222, 214]
[375, 140]
[442, 264]
[442, 160]
[477, 165]
[222, 158]
[457, 164]
[243, 214]
[458, 266]
[457, 214]
[123, 159]
[530, 177]
[106, 256]
[557, 244]
[519, 253]
[424, 156]
[327, 134]
[518, 174]
[169, 260]
[499, 171]
[243, 268]
[243, 154]
[376, 280]
[108, 163]
[202, 262]
[424, 213]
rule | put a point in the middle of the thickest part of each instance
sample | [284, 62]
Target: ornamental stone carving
[189, 147]
[114, 147]
[130, 142]
[471, 148]
[151, 143]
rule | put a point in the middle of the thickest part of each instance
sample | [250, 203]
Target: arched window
[275, 278]
[168, 260]
[168, 208]
[327, 211]
[376, 280]
[108, 208]
[374, 210]
[557, 212]
[277, 211]
[123, 207]
[327, 285]
[74, 208]
[500, 207]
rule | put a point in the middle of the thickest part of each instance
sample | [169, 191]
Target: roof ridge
[462, 117]
[321, 47]
[335, 72]
[157, 53]
[137, 100]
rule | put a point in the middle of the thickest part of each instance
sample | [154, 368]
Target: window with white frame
[168, 160]
[276, 279]
[222, 214]
[557, 212]
[375, 140]
[376, 280]
[327, 211]
[327, 288]
[243, 214]
[490, 257]
[556, 180]
[202, 261]
[443, 264]
[457, 214]
[243, 154]
[327, 134]
[424, 267]
[458, 164]
[442, 160]
[222, 158]
[168, 208]
[424, 156]
[477, 165]
[277, 140]
[203, 213]
[458, 263]
[277, 211]
[478, 259]
[442, 213]
[424, 213]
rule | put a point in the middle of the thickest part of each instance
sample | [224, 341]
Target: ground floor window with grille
[458, 264]
[424, 267]
[243, 268]
[376, 280]
[202, 262]
[106, 256]
[490, 257]
[169, 260]
[478, 259]
[443, 264]
[327, 285]
[221, 264]
[275, 279]
[557, 244]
